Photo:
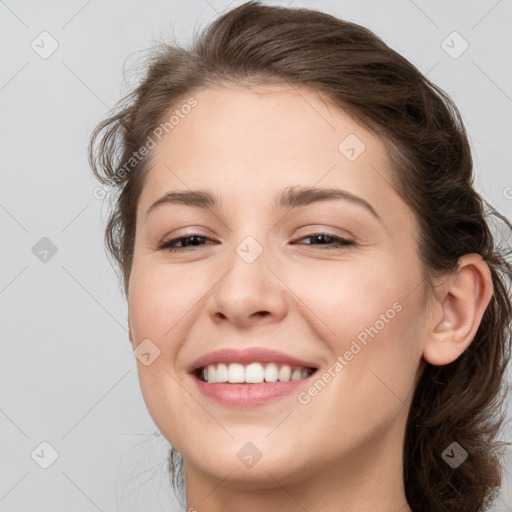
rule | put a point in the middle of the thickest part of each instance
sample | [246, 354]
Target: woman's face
[263, 292]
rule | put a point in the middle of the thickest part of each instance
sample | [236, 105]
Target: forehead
[250, 142]
[289, 120]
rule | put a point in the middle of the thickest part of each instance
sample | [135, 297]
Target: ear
[461, 301]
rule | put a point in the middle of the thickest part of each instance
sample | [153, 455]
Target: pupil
[192, 240]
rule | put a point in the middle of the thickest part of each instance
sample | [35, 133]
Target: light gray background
[68, 376]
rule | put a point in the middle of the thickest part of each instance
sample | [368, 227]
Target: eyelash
[338, 242]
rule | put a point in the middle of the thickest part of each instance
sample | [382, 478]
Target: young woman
[320, 316]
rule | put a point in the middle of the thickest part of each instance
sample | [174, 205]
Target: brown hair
[432, 161]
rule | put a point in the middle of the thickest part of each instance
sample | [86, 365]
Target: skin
[343, 449]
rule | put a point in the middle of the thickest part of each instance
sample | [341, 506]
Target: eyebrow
[288, 198]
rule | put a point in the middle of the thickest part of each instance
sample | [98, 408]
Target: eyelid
[191, 232]
[311, 229]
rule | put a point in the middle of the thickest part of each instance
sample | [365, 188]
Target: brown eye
[336, 241]
[193, 240]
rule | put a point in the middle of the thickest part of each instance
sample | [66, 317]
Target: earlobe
[462, 300]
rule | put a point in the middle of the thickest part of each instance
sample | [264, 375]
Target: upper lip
[246, 356]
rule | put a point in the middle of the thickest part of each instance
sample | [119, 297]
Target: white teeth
[296, 374]
[221, 375]
[271, 372]
[285, 372]
[236, 373]
[254, 373]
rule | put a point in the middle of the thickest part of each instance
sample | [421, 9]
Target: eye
[336, 241]
[195, 239]
[192, 240]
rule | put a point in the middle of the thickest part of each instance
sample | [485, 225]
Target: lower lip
[240, 395]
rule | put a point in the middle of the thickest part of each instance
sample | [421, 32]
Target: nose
[249, 294]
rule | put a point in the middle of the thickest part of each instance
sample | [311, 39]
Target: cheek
[160, 298]
[374, 318]
[350, 297]
[369, 385]
[160, 303]
[381, 351]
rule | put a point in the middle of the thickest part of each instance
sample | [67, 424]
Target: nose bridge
[249, 290]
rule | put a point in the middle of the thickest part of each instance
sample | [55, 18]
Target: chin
[256, 464]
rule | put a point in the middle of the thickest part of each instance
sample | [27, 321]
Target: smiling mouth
[253, 373]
